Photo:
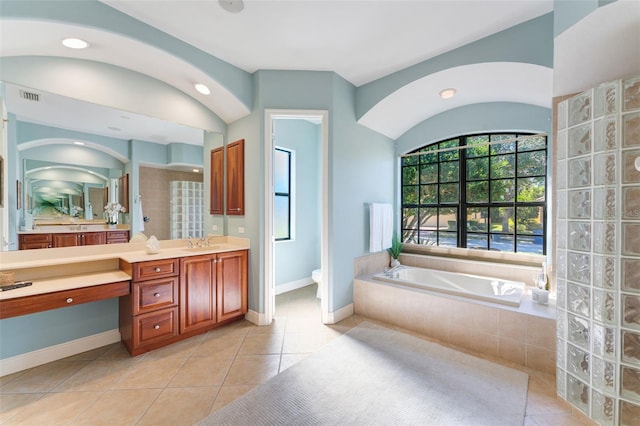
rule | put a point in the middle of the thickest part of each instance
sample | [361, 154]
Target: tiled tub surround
[499, 331]
[523, 335]
[598, 252]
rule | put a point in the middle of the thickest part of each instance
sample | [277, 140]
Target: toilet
[316, 276]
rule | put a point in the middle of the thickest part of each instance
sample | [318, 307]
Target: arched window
[485, 191]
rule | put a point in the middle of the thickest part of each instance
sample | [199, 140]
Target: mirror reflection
[74, 155]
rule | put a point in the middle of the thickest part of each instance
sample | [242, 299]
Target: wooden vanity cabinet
[173, 299]
[34, 241]
[73, 239]
[213, 289]
[149, 314]
[117, 237]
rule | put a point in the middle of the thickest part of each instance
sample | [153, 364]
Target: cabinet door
[34, 241]
[235, 178]
[197, 292]
[66, 240]
[232, 269]
[217, 192]
[93, 238]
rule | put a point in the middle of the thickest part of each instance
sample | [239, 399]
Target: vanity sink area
[164, 297]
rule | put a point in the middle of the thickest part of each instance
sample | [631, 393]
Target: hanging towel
[380, 226]
[139, 215]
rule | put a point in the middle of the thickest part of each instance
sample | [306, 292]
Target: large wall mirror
[73, 155]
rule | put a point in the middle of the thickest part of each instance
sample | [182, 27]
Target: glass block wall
[598, 252]
[187, 206]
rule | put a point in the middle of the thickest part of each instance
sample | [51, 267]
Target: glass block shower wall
[598, 252]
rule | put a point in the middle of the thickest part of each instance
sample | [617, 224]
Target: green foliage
[396, 247]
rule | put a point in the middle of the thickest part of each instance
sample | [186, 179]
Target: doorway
[321, 118]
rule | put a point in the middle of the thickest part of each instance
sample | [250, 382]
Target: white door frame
[269, 242]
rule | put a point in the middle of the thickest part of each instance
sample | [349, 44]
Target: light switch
[241, 230]
[214, 227]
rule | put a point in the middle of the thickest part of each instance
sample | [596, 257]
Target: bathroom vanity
[164, 297]
[72, 235]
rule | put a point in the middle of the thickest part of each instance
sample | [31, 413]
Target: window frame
[424, 160]
[289, 195]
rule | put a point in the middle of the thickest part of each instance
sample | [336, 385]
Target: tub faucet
[393, 272]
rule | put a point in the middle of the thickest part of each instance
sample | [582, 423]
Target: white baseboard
[340, 314]
[256, 317]
[53, 353]
[293, 285]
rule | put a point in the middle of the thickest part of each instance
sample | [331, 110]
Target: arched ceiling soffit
[474, 84]
[72, 143]
[21, 37]
[603, 46]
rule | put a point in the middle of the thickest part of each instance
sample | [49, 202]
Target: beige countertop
[68, 282]
[73, 267]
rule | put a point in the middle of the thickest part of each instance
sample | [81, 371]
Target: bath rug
[373, 375]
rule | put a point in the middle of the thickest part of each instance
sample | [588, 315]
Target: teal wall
[296, 259]
[36, 331]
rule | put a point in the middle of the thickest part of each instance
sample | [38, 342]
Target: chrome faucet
[393, 272]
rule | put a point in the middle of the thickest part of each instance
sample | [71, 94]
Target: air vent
[30, 96]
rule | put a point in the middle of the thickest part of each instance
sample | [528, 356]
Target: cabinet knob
[156, 326]
[157, 269]
[156, 294]
[69, 300]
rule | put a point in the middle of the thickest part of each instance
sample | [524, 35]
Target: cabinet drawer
[60, 299]
[114, 237]
[154, 294]
[155, 326]
[155, 269]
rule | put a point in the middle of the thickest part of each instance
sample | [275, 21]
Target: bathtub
[471, 286]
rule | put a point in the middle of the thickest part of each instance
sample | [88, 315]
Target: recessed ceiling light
[233, 6]
[202, 89]
[78, 143]
[75, 43]
[447, 93]
[196, 171]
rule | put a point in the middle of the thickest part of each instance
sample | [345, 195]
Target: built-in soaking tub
[472, 286]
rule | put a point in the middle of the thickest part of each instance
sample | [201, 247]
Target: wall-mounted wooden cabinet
[217, 181]
[123, 191]
[233, 158]
[235, 178]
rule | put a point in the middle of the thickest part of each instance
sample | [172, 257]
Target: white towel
[139, 215]
[380, 226]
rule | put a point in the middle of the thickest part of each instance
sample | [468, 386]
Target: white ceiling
[359, 40]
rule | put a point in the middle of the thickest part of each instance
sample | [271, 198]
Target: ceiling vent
[30, 96]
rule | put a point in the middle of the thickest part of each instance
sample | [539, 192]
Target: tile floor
[183, 383]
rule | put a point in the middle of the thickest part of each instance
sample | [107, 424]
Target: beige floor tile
[88, 355]
[256, 344]
[183, 349]
[96, 376]
[150, 373]
[55, 408]
[13, 403]
[228, 394]
[541, 398]
[554, 420]
[117, 351]
[277, 326]
[180, 406]
[222, 344]
[44, 378]
[302, 343]
[116, 407]
[202, 371]
[288, 360]
[252, 369]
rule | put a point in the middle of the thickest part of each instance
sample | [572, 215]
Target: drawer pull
[156, 294]
[156, 326]
[157, 269]
[69, 300]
